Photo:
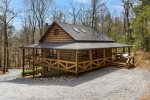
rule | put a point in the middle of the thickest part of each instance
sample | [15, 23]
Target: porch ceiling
[76, 45]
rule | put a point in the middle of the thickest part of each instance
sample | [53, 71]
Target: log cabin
[74, 48]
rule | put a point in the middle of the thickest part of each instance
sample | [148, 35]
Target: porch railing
[70, 65]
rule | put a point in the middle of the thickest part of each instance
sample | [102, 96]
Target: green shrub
[27, 72]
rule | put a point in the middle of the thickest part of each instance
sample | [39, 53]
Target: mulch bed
[142, 59]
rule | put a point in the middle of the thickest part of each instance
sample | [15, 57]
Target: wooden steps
[127, 64]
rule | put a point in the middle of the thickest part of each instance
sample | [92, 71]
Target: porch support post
[58, 60]
[36, 52]
[33, 63]
[43, 51]
[116, 51]
[76, 63]
[129, 51]
[104, 56]
[23, 62]
[91, 58]
[123, 50]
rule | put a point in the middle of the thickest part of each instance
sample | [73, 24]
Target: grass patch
[30, 72]
[27, 72]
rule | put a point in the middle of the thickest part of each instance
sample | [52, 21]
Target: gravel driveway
[103, 84]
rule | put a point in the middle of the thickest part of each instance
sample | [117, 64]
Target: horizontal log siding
[99, 53]
[69, 55]
[82, 56]
[61, 37]
[108, 52]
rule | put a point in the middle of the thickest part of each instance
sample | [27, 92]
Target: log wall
[83, 55]
[70, 55]
[108, 52]
[67, 55]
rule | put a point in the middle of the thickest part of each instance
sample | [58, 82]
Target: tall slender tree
[1, 36]
[8, 15]
[74, 11]
[31, 17]
[94, 5]
[38, 12]
[127, 6]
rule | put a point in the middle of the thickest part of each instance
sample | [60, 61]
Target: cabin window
[85, 52]
[52, 53]
[56, 32]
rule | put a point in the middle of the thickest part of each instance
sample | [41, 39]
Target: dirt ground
[143, 61]
[1, 72]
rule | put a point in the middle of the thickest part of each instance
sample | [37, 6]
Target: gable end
[50, 36]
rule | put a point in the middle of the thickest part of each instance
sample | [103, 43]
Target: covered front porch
[74, 60]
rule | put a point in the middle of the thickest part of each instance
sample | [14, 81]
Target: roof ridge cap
[72, 24]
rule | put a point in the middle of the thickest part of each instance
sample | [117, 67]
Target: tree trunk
[147, 45]
[93, 16]
[1, 49]
[33, 36]
[124, 26]
[129, 30]
[7, 51]
[5, 47]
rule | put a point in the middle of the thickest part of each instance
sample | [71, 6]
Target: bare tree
[31, 17]
[127, 6]
[74, 12]
[8, 15]
[85, 17]
[1, 26]
[98, 10]
[25, 31]
[94, 5]
[57, 15]
[38, 11]
[108, 23]
[41, 11]
[103, 11]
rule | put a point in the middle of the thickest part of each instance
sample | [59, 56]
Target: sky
[18, 5]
